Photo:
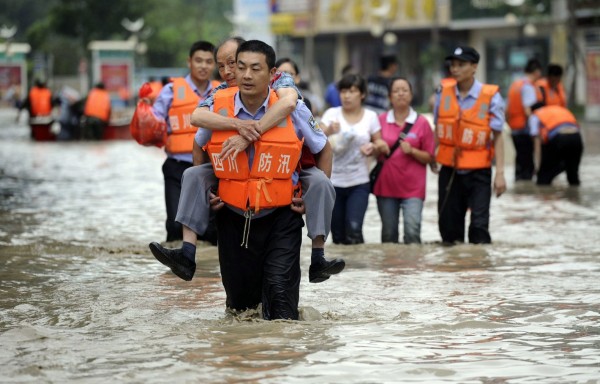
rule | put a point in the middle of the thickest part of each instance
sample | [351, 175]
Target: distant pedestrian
[332, 93]
[96, 113]
[550, 89]
[558, 144]
[522, 98]
[377, 85]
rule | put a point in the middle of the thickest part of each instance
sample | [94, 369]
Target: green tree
[178, 23]
[63, 29]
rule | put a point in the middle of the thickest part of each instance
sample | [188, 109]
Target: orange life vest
[548, 95]
[552, 117]
[40, 101]
[185, 100]
[268, 183]
[464, 135]
[98, 104]
[515, 112]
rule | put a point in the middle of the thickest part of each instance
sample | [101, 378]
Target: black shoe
[174, 259]
[321, 271]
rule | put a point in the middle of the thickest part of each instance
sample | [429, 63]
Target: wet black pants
[268, 271]
[524, 167]
[472, 190]
[172, 172]
[562, 153]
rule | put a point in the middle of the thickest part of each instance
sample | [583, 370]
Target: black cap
[464, 54]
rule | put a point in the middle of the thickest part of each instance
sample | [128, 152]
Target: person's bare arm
[286, 104]
[380, 146]
[324, 159]
[203, 117]
[421, 156]
[288, 97]
[499, 180]
[199, 156]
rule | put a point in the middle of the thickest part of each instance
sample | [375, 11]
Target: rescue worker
[318, 192]
[259, 235]
[522, 97]
[96, 113]
[39, 102]
[469, 117]
[549, 89]
[175, 104]
[558, 144]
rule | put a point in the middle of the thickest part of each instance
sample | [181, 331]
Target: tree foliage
[64, 28]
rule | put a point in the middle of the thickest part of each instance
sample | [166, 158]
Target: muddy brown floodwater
[82, 300]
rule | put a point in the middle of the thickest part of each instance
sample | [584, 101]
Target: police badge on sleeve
[314, 125]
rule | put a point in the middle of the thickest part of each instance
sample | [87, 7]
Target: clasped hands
[248, 132]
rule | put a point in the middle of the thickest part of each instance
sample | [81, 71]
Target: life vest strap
[261, 186]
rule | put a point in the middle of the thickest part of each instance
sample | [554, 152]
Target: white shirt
[350, 166]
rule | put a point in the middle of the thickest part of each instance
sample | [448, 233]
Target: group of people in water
[78, 118]
[247, 160]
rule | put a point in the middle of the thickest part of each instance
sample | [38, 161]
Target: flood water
[82, 300]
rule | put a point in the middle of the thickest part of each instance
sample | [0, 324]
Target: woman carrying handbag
[401, 183]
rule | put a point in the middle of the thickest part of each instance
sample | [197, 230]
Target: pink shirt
[402, 175]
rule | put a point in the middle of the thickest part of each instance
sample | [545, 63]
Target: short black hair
[355, 80]
[554, 70]
[533, 65]
[258, 46]
[348, 68]
[202, 46]
[284, 60]
[386, 61]
[396, 78]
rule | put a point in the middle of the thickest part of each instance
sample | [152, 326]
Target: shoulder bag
[374, 174]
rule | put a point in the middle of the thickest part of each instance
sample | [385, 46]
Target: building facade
[325, 35]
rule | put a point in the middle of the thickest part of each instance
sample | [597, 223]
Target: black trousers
[268, 270]
[172, 172]
[459, 192]
[562, 153]
[93, 128]
[524, 167]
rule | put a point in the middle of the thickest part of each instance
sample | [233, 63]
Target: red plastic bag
[146, 129]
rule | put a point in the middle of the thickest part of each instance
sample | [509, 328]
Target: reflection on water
[82, 299]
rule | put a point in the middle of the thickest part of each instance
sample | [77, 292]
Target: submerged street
[82, 299]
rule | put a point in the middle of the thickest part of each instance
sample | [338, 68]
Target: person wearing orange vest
[259, 235]
[96, 113]
[558, 144]
[175, 104]
[469, 118]
[521, 98]
[318, 194]
[39, 101]
[549, 89]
